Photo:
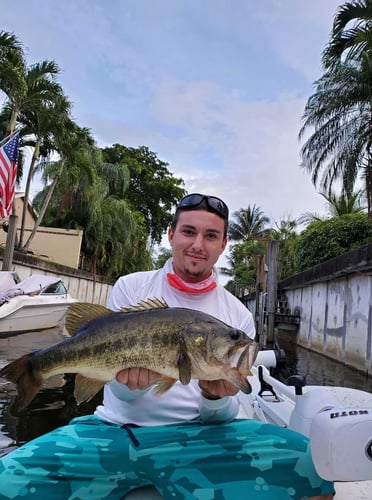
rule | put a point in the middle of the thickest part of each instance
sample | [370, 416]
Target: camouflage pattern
[90, 458]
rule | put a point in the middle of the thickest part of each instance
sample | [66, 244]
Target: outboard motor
[346, 453]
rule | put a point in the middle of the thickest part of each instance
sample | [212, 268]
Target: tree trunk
[369, 188]
[13, 121]
[44, 207]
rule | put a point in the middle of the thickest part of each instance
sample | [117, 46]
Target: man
[186, 441]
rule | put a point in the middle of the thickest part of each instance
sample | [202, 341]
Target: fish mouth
[236, 353]
[243, 357]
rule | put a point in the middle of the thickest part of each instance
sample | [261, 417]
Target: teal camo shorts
[94, 459]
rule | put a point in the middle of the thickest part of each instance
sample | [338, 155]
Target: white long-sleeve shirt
[181, 402]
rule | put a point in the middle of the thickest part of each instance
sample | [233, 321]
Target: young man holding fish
[185, 441]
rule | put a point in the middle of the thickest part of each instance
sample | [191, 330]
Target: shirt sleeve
[218, 411]
[120, 295]
[122, 391]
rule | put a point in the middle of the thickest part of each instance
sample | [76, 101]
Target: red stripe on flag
[8, 174]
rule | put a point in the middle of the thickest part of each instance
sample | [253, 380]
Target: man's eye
[188, 232]
[211, 236]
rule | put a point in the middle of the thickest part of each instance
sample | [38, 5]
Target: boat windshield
[55, 289]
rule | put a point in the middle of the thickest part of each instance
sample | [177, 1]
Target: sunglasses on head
[213, 203]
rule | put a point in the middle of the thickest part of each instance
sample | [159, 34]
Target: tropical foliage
[285, 233]
[248, 229]
[323, 240]
[339, 111]
[345, 203]
[152, 190]
[162, 256]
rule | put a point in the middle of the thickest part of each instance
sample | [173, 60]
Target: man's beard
[194, 274]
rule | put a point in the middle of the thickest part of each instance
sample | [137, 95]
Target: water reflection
[55, 405]
[51, 408]
[318, 369]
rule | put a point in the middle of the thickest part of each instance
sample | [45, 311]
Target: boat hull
[31, 313]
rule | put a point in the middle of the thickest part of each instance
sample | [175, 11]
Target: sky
[216, 88]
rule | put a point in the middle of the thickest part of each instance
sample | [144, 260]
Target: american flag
[8, 174]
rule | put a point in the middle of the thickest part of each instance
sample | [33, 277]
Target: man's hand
[137, 378]
[216, 389]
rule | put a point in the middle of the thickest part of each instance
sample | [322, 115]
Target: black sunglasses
[213, 203]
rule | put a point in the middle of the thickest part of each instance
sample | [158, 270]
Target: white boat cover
[6, 280]
[31, 285]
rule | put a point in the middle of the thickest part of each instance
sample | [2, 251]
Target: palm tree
[8, 42]
[250, 222]
[340, 112]
[71, 145]
[33, 99]
[349, 42]
[12, 70]
[340, 109]
[39, 128]
[250, 232]
[337, 206]
[35, 86]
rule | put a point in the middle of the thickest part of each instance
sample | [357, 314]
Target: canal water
[55, 404]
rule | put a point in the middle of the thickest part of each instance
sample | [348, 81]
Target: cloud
[217, 92]
[252, 145]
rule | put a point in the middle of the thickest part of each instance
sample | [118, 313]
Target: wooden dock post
[272, 283]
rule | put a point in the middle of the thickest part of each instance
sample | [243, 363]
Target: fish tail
[21, 373]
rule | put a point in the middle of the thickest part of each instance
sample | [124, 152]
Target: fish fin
[239, 380]
[183, 363]
[163, 385]
[146, 305]
[86, 388]
[20, 372]
[82, 312]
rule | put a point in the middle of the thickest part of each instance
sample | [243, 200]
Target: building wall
[57, 245]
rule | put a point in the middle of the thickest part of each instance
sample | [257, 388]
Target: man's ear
[224, 243]
[170, 235]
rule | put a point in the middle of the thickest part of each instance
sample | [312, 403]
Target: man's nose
[198, 241]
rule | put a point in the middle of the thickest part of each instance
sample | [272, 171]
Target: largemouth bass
[180, 344]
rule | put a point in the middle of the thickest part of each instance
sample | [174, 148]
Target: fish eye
[234, 334]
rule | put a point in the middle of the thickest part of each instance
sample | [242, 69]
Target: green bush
[323, 240]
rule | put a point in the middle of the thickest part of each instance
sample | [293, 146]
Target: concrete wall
[334, 301]
[336, 318]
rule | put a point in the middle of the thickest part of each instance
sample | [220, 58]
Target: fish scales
[180, 344]
[123, 339]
